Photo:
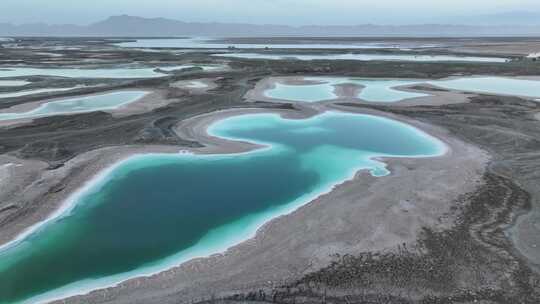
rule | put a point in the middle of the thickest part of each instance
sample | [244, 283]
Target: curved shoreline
[212, 147]
[240, 252]
[347, 92]
[151, 100]
[197, 85]
[435, 95]
[31, 106]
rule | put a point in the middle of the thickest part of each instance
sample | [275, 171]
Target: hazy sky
[294, 12]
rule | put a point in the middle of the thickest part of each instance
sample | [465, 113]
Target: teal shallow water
[155, 211]
[365, 57]
[13, 83]
[493, 85]
[36, 91]
[209, 43]
[90, 103]
[95, 73]
[384, 90]
[375, 90]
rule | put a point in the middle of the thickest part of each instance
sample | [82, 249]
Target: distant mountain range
[131, 26]
[508, 18]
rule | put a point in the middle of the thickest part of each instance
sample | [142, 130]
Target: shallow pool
[13, 83]
[365, 57]
[90, 103]
[36, 91]
[374, 90]
[492, 85]
[385, 90]
[96, 73]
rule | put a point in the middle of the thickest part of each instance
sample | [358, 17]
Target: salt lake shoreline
[152, 99]
[98, 163]
[348, 92]
[84, 168]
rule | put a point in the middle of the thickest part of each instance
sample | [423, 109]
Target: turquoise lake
[209, 43]
[95, 73]
[385, 90]
[154, 211]
[36, 91]
[375, 90]
[13, 83]
[493, 85]
[90, 103]
[364, 57]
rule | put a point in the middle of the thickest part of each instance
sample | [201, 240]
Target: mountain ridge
[133, 26]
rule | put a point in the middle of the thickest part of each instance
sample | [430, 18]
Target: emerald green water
[154, 211]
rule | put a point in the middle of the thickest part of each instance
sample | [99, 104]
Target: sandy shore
[153, 100]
